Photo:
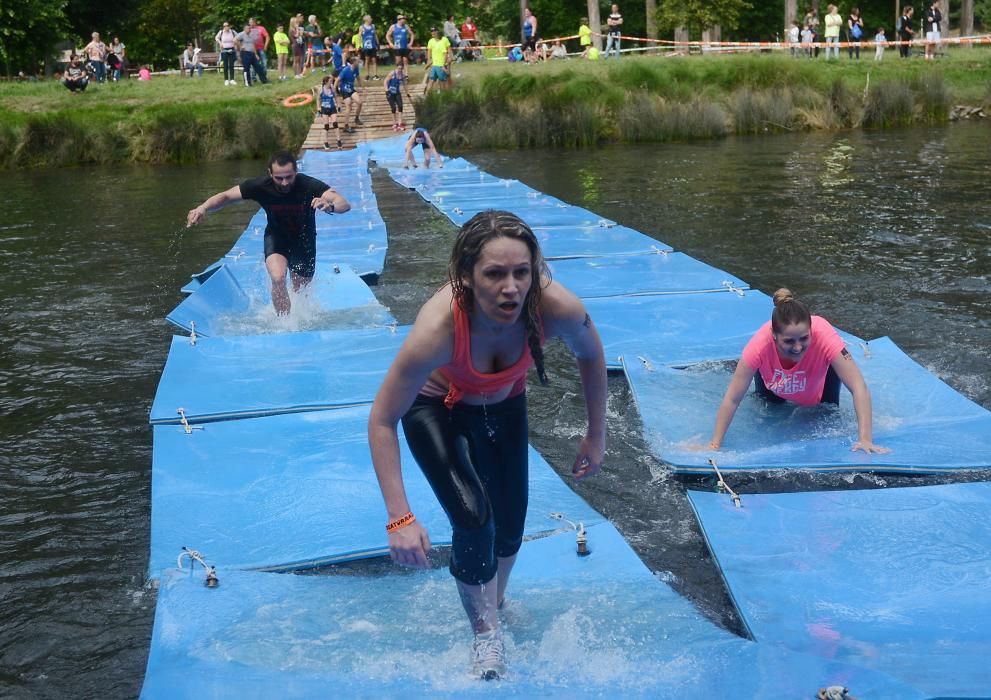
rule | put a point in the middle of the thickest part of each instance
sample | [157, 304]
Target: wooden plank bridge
[376, 117]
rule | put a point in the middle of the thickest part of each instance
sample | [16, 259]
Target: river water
[883, 233]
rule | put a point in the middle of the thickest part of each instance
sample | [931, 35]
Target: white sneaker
[488, 656]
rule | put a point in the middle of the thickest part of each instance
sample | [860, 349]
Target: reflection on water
[889, 237]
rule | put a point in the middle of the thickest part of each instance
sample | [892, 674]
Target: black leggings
[227, 56]
[475, 460]
[830, 389]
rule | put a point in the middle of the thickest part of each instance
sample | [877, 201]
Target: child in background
[144, 73]
[879, 41]
[585, 37]
[807, 37]
[794, 36]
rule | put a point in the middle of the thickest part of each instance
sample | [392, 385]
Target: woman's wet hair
[788, 311]
[474, 234]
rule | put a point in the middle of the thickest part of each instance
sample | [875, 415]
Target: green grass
[494, 104]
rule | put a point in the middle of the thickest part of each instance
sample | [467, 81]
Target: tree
[22, 23]
[699, 15]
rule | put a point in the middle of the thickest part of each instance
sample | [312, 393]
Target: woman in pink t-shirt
[801, 358]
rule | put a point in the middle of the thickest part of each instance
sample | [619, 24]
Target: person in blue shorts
[290, 200]
[328, 110]
[421, 137]
[345, 87]
[439, 51]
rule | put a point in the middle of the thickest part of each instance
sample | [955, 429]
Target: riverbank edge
[569, 105]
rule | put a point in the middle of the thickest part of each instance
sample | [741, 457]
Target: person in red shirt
[469, 37]
[800, 358]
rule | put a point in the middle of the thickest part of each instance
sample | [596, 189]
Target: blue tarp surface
[928, 426]
[296, 489]
[237, 300]
[678, 330]
[232, 377]
[672, 273]
[576, 627]
[893, 579]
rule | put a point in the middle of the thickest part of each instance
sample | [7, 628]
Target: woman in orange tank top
[459, 382]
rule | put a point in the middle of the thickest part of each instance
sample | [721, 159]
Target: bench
[209, 59]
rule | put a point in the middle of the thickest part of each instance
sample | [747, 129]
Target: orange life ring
[298, 100]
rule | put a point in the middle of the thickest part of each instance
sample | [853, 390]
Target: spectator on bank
[854, 32]
[75, 77]
[144, 73]
[297, 41]
[263, 41]
[584, 37]
[906, 31]
[96, 53]
[530, 36]
[615, 31]
[314, 37]
[879, 41]
[191, 60]
[469, 34]
[439, 48]
[833, 23]
[812, 22]
[794, 39]
[807, 38]
[515, 55]
[117, 49]
[931, 21]
[226, 41]
[282, 46]
[247, 46]
[451, 32]
[558, 50]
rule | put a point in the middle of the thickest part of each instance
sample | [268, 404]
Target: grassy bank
[166, 120]
[572, 103]
[497, 105]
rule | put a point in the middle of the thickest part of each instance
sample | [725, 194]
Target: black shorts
[346, 92]
[476, 461]
[395, 101]
[400, 53]
[301, 252]
[530, 43]
[369, 53]
[328, 111]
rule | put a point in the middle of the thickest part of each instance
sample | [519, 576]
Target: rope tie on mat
[723, 487]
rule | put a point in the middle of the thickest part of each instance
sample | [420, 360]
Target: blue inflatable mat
[667, 273]
[892, 579]
[678, 330]
[237, 300]
[297, 490]
[600, 626]
[595, 241]
[234, 377]
[196, 280]
[928, 426]
[546, 216]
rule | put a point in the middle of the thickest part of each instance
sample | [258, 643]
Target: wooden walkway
[375, 115]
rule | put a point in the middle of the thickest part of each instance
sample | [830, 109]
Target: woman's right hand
[410, 545]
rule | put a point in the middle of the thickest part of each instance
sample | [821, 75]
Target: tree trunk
[681, 35]
[595, 23]
[791, 13]
[967, 18]
[652, 19]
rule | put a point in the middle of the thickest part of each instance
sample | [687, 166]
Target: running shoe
[488, 656]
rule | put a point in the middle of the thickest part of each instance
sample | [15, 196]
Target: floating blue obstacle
[295, 491]
[575, 627]
[677, 330]
[236, 377]
[892, 579]
[236, 300]
[928, 426]
[671, 273]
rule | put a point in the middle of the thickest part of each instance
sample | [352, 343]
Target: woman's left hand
[869, 447]
[588, 462]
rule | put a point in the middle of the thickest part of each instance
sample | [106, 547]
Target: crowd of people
[806, 36]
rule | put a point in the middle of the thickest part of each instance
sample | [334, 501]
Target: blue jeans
[835, 48]
[100, 70]
[250, 62]
[263, 58]
[612, 42]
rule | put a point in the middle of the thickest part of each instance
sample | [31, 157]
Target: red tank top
[463, 378]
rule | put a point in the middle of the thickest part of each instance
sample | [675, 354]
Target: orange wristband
[400, 523]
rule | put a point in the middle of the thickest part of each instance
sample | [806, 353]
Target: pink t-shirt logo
[784, 384]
